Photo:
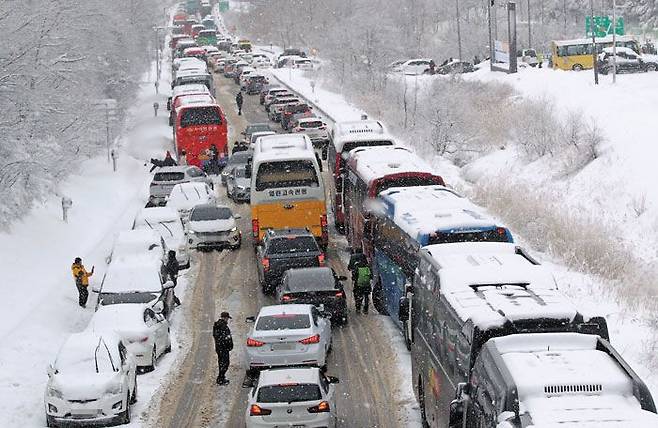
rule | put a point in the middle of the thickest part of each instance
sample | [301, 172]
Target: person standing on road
[81, 277]
[223, 346]
[358, 267]
[239, 100]
[171, 269]
[182, 159]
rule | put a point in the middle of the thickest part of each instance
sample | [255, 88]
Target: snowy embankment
[632, 332]
[40, 299]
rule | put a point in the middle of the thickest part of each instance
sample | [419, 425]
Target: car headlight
[115, 389]
[54, 392]
[241, 188]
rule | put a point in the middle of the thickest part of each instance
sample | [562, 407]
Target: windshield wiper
[149, 224]
[167, 227]
[523, 285]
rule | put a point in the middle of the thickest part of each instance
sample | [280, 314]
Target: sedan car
[145, 333]
[287, 335]
[186, 196]
[318, 286]
[211, 227]
[92, 381]
[292, 397]
[166, 178]
[238, 185]
[166, 222]
[285, 249]
[236, 159]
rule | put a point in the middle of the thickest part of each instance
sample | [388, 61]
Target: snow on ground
[40, 299]
[632, 334]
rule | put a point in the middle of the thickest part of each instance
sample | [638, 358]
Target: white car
[314, 127]
[302, 63]
[139, 243]
[185, 196]
[166, 222]
[145, 333]
[256, 135]
[414, 66]
[93, 380]
[247, 71]
[213, 226]
[286, 335]
[260, 61]
[294, 397]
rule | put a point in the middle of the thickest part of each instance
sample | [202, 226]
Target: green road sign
[223, 6]
[603, 26]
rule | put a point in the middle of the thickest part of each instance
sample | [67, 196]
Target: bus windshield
[200, 116]
[410, 181]
[272, 175]
[493, 235]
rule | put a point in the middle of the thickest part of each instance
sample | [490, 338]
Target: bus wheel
[378, 298]
[421, 401]
[577, 67]
[407, 334]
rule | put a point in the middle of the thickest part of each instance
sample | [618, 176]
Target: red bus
[346, 136]
[198, 127]
[371, 170]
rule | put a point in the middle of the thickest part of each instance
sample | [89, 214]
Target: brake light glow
[323, 220]
[287, 298]
[320, 408]
[139, 339]
[501, 231]
[254, 227]
[339, 294]
[266, 264]
[310, 340]
[321, 259]
[253, 343]
[256, 410]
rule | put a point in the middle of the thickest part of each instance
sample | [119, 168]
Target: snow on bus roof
[380, 161]
[492, 283]
[359, 130]
[427, 209]
[606, 39]
[199, 104]
[283, 142]
[563, 378]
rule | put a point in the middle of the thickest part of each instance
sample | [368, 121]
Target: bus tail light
[254, 227]
[321, 259]
[266, 264]
[323, 220]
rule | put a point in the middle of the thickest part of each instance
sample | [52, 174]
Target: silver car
[314, 127]
[238, 186]
[236, 159]
[212, 226]
[288, 335]
[167, 177]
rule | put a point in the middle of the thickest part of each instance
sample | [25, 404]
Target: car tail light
[310, 340]
[339, 294]
[287, 298]
[320, 408]
[254, 227]
[501, 231]
[256, 410]
[323, 220]
[266, 264]
[253, 343]
[139, 339]
[321, 259]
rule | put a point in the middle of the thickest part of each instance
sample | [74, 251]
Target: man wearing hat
[223, 346]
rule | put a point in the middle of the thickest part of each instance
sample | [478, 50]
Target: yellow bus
[577, 54]
[287, 189]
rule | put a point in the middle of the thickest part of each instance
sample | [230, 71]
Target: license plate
[83, 413]
[283, 346]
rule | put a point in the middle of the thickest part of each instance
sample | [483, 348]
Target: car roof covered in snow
[422, 210]
[565, 378]
[120, 317]
[285, 309]
[190, 88]
[493, 283]
[156, 215]
[371, 163]
[289, 375]
[138, 274]
[78, 355]
[195, 100]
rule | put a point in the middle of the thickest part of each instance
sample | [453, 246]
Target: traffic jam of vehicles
[492, 340]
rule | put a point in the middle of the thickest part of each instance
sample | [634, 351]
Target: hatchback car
[186, 196]
[92, 381]
[211, 227]
[238, 185]
[145, 333]
[294, 397]
[285, 249]
[314, 127]
[319, 286]
[236, 159]
[166, 222]
[277, 106]
[287, 335]
[167, 177]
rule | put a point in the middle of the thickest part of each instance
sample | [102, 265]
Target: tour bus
[344, 137]
[405, 219]
[287, 190]
[577, 54]
[198, 127]
[371, 170]
[465, 294]
[207, 37]
[189, 100]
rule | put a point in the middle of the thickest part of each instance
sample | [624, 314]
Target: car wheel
[154, 359]
[577, 67]
[652, 67]
[50, 421]
[168, 348]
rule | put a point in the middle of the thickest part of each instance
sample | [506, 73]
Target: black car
[627, 61]
[285, 249]
[455, 67]
[315, 286]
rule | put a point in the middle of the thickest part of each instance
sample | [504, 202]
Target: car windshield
[200, 116]
[313, 124]
[293, 244]
[260, 127]
[168, 176]
[283, 322]
[210, 213]
[272, 175]
[289, 393]
[166, 229]
[311, 280]
[118, 298]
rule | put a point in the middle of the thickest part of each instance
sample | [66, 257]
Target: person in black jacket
[238, 100]
[357, 260]
[223, 346]
[171, 269]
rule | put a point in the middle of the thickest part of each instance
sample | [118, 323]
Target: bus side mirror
[458, 405]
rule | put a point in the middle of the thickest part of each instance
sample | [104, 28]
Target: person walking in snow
[171, 268]
[239, 100]
[361, 276]
[81, 277]
[223, 346]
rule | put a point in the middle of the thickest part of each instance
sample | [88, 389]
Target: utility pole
[564, 15]
[459, 33]
[529, 28]
[614, 41]
[595, 58]
[490, 3]
[511, 31]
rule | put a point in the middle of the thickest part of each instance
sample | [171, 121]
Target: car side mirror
[237, 216]
[167, 285]
[321, 309]
[333, 379]
[250, 319]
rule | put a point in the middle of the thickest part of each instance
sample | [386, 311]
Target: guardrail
[309, 102]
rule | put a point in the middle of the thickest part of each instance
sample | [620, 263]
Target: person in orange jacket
[81, 277]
